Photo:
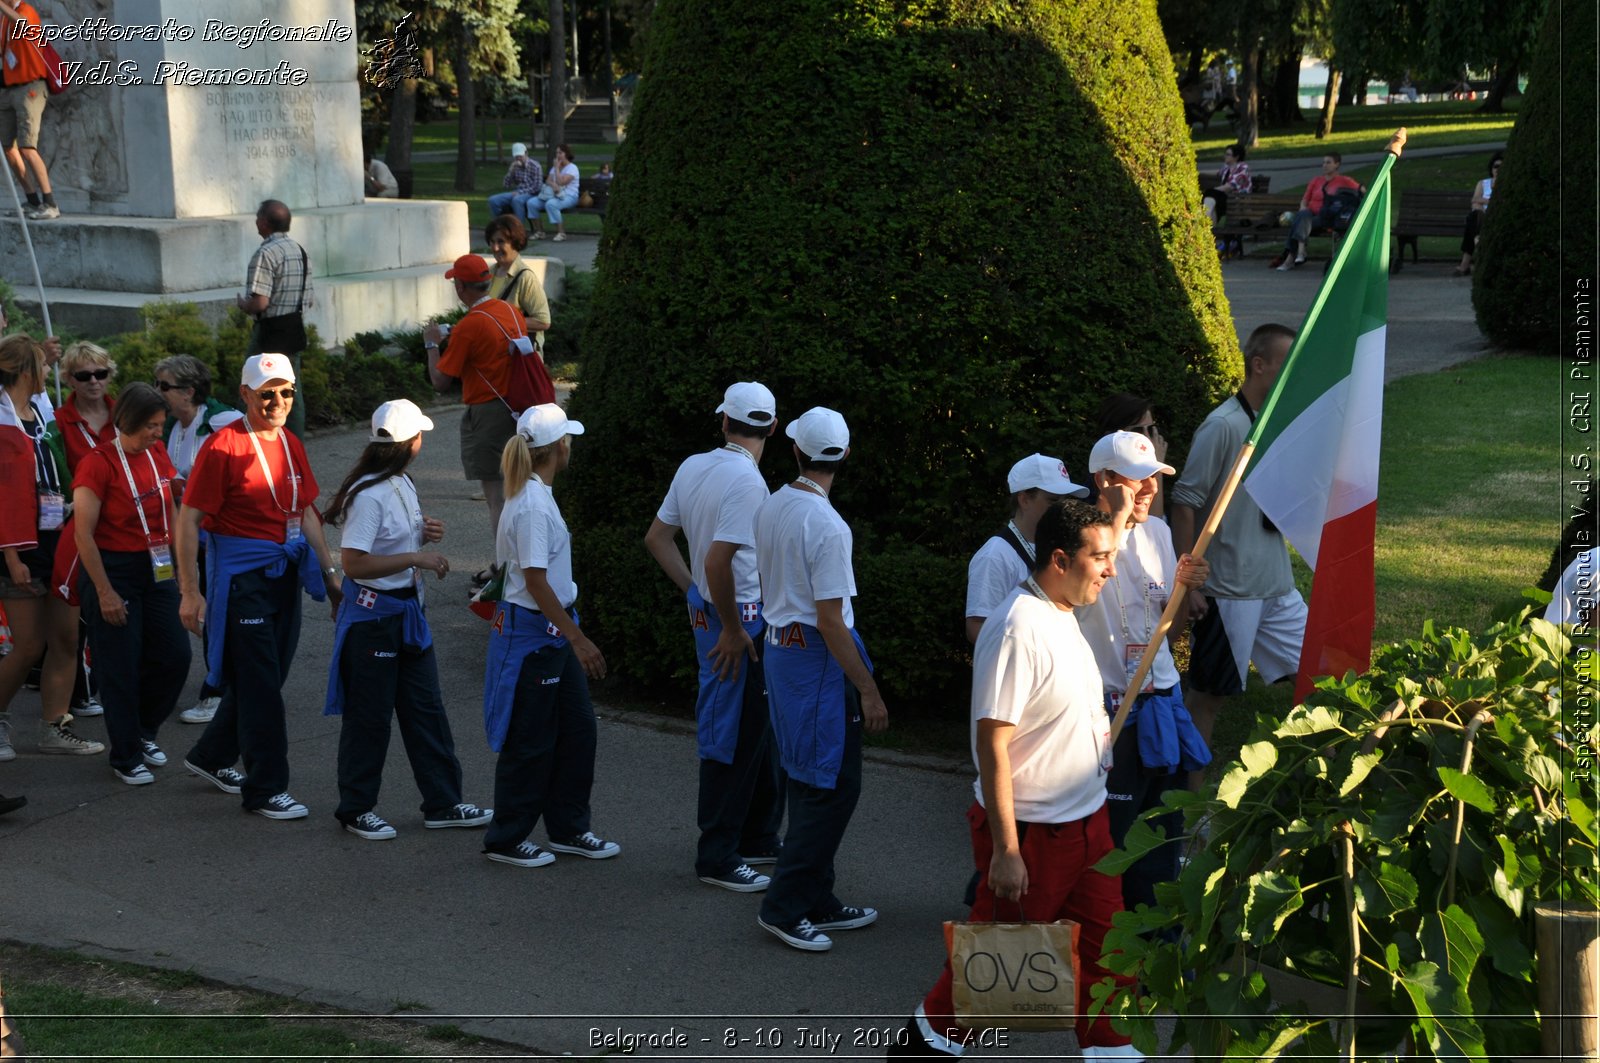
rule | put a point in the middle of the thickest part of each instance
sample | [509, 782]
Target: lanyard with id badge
[52, 502]
[291, 516]
[1154, 602]
[160, 545]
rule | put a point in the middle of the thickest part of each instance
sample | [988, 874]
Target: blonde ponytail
[517, 462]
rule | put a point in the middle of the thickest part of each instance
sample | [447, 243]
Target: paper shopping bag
[1020, 976]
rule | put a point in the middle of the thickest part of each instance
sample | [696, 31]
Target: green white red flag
[1315, 468]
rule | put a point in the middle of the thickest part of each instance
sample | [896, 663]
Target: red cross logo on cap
[269, 363]
[1062, 466]
[1141, 446]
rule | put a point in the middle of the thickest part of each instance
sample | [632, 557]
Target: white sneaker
[44, 213]
[6, 751]
[203, 711]
[1118, 1052]
[59, 737]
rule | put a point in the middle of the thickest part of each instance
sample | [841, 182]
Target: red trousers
[1060, 886]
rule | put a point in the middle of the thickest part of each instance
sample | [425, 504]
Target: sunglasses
[166, 385]
[83, 376]
[286, 394]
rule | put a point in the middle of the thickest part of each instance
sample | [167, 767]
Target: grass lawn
[1367, 128]
[1468, 507]
[67, 1006]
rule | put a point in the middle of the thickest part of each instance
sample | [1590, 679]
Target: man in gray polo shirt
[1250, 610]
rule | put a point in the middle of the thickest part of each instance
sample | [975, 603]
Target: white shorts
[1235, 632]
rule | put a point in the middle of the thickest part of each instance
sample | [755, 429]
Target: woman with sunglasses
[124, 514]
[185, 382]
[32, 512]
[383, 661]
[1123, 412]
[82, 423]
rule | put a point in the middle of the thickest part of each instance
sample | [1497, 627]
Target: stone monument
[180, 118]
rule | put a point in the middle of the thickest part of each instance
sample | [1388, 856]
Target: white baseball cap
[1043, 473]
[750, 403]
[519, 148]
[820, 433]
[1127, 454]
[264, 367]
[397, 421]
[545, 423]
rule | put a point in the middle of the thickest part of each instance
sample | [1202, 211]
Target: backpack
[530, 380]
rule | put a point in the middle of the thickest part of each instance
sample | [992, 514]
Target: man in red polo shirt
[477, 353]
[22, 100]
[251, 493]
[1320, 208]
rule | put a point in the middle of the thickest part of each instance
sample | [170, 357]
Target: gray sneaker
[44, 213]
[202, 712]
[6, 751]
[59, 737]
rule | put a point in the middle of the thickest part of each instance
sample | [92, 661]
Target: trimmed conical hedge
[959, 223]
[1537, 242]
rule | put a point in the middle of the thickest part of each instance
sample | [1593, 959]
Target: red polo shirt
[228, 485]
[102, 474]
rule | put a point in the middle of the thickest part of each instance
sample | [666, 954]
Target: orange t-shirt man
[20, 59]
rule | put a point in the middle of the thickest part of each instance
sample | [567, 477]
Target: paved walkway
[175, 875]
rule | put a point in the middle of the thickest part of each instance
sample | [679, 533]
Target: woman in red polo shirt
[122, 497]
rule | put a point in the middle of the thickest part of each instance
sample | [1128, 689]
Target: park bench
[598, 191]
[1425, 213]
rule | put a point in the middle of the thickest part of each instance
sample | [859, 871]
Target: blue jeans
[513, 203]
[404, 685]
[143, 664]
[553, 205]
[802, 883]
[262, 632]
[741, 804]
[546, 765]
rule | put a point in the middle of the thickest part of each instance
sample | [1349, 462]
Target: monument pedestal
[179, 119]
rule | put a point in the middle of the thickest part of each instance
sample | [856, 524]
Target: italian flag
[1315, 468]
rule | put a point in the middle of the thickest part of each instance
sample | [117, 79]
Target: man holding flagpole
[1250, 609]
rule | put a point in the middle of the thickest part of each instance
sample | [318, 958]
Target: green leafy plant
[1384, 845]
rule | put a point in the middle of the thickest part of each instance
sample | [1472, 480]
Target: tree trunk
[402, 129]
[1285, 106]
[1505, 82]
[1249, 93]
[555, 100]
[466, 108]
[1191, 73]
[1347, 90]
[1330, 100]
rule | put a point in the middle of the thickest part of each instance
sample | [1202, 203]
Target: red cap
[470, 268]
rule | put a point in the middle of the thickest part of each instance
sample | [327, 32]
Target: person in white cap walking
[819, 683]
[536, 709]
[713, 500]
[383, 661]
[252, 493]
[1159, 742]
[1006, 558]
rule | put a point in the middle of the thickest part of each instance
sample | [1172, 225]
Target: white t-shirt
[803, 553]
[184, 443]
[1129, 608]
[1575, 594]
[992, 574]
[1032, 668]
[533, 535]
[385, 519]
[714, 498]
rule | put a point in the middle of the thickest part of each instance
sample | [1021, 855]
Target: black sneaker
[847, 917]
[462, 815]
[152, 754]
[371, 826]
[762, 857]
[586, 844]
[282, 806]
[526, 854]
[801, 935]
[11, 804]
[228, 780]
[742, 879]
[138, 775]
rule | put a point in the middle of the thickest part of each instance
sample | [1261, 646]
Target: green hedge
[959, 223]
[1539, 235]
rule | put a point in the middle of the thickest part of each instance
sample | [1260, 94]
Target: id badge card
[1131, 656]
[161, 561]
[52, 510]
[291, 529]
